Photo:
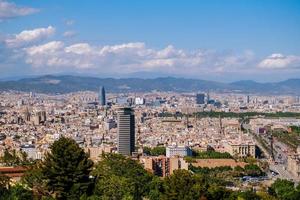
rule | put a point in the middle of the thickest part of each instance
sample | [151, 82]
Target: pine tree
[66, 170]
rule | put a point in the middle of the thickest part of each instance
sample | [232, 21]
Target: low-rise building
[180, 151]
[162, 165]
[241, 148]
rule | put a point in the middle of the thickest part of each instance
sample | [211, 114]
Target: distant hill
[67, 83]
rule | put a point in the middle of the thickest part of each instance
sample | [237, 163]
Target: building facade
[126, 131]
[102, 97]
[200, 98]
[163, 166]
[241, 149]
[180, 151]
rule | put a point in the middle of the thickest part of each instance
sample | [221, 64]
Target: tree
[114, 188]
[265, 196]
[247, 195]
[156, 189]
[10, 158]
[14, 158]
[4, 184]
[156, 151]
[120, 177]
[182, 185]
[33, 178]
[17, 192]
[253, 170]
[217, 192]
[66, 170]
[284, 190]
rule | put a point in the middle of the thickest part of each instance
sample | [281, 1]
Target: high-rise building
[102, 98]
[126, 131]
[208, 97]
[200, 98]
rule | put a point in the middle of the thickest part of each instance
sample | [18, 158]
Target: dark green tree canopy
[115, 171]
[66, 169]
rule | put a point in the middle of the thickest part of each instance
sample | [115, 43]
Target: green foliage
[118, 177]
[189, 159]
[284, 190]
[34, 179]
[16, 192]
[265, 196]
[66, 170]
[253, 170]
[156, 188]
[228, 172]
[246, 195]
[290, 139]
[210, 155]
[217, 192]
[64, 174]
[14, 158]
[295, 129]
[245, 114]
[114, 187]
[182, 185]
[206, 170]
[156, 151]
[4, 184]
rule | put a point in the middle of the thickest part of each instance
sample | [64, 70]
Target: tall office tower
[126, 131]
[200, 98]
[248, 99]
[208, 98]
[102, 98]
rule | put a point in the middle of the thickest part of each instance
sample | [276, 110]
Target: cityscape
[69, 132]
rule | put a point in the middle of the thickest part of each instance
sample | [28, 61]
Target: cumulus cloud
[280, 61]
[48, 48]
[29, 36]
[80, 48]
[131, 57]
[55, 56]
[11, 10]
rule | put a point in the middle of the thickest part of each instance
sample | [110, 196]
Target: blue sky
[218, 40]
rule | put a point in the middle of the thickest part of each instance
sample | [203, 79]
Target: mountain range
[67, 83]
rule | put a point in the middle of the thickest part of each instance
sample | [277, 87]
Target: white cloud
[48, 48]
[136, 47]
[280, 61]
[80, 48]
[131, 57]
[11, 10]
[69, 33]
[28, 36]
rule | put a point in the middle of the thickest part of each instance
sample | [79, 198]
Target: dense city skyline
[150, 100]
[213, 40]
